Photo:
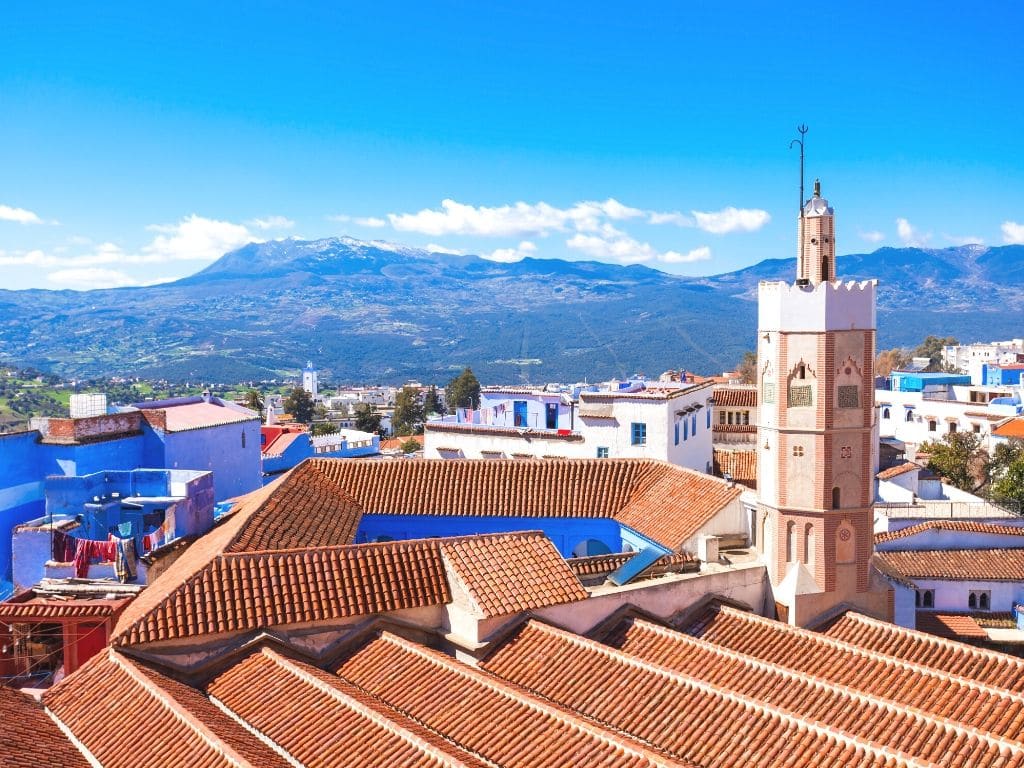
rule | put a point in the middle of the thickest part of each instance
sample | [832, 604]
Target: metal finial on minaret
[802, 130]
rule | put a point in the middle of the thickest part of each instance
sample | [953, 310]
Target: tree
[319, 411]
[408, 416]
[890, 360]
[931, 348]
[366, 418]
[410, 446]
[747, 368]
[323, 428]
[959, 458]
[463, 391]
[299, 403]
[254, 400]
[432, 403]
[999, 465]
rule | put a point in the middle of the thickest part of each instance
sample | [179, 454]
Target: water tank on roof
[90, 404]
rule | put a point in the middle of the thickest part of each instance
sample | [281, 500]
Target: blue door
[519, 413]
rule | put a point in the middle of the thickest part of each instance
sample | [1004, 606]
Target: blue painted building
[198, 433]
[287, 447]
[996, 375]
[919, 381]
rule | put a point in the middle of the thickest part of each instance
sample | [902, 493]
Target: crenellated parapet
[832, 306]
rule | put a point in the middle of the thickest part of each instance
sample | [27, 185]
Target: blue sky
[136, 145]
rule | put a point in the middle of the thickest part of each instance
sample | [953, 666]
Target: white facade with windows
[669, 424]
[971, 358]
[919, 417]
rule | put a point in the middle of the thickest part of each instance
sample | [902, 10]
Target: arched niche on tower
[801, 384]
[769, 395]
[850, 391]
[846, 543]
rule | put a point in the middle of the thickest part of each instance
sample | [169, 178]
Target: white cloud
[521, 251]
[435, 248]
[342, 217]
[965, 239]
[518, 219]
[1013, 233]
[872, 237]
[670, 217]
[910, 235]
[623, 249]
[697, 254]
[195, 238]
[18, 215]
[371, 221]
[272, 222]
[87, 278]
[35, 258]
[731, 220]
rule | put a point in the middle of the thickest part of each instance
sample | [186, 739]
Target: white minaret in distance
[817, 440]
[309, 379]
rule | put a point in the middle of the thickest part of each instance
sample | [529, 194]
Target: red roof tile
[182, 418]
[959, 526]
[29, 738]
[30, 608]
[712, 720]
[506, 574]
[322, 720]
[501, 723]
[741, 465]
[1012, 428]
[956, 564]
[951, 625]
[735, 397]
[901, 469]
[127, 715]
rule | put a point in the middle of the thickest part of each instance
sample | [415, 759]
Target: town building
[972, 359]
[275, 641]
[734, 433]
[310, 379]
[190, 433]
[633, 419]
[915, 407]
[817, 436]
[284, 447]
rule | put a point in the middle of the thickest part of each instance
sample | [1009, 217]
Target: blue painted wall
[236, 467]
[995, 376]
[301, 449]
[566, 533]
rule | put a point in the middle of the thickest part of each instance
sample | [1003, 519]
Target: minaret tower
[817, 435]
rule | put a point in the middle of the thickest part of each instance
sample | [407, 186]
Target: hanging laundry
[63, 547]
[87, 550]
[124, 561]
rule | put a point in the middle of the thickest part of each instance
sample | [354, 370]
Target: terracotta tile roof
[988, 667]
[741, 465]
[602, 565]
[711, 721]
[245, 591]
[1012, 428]
[735, 397]
[305, 509]
[526, 433]
[322, 720]
[901, 469]
[32, 608]
[958, 695]
[506, 574]
[814, 698]
[951, 625]
[659, 500]
[497, 721]
[956, 564]
[128, 716]
[29, 738]
[734, 429]
[395, 443]
[182, 418]
[959, 526]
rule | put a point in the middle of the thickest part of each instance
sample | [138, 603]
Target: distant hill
[376, 312]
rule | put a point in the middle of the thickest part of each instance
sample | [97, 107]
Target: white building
[632, 419]
[970, 358]
[919, 407]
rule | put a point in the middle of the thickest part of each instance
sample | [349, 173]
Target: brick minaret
[817, 437]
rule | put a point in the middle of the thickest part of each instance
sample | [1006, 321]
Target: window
[602, 452]
[885, 414]
[686, 430]
[924, 598]
[800, 397]
[551, 415]
[979, 599]
[790, 542]
[708, 412]
[952, 427]
[677, 432]
[910, 415]
[798, 450]
[976, 428]
[809, 543]
[693, 425]
[932, 425]
[638, 433]
[746, 418]
[721, 417]
[835, 498]
[801, 371]
[243, 439]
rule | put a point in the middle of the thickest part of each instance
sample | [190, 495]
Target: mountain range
[377, 312]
